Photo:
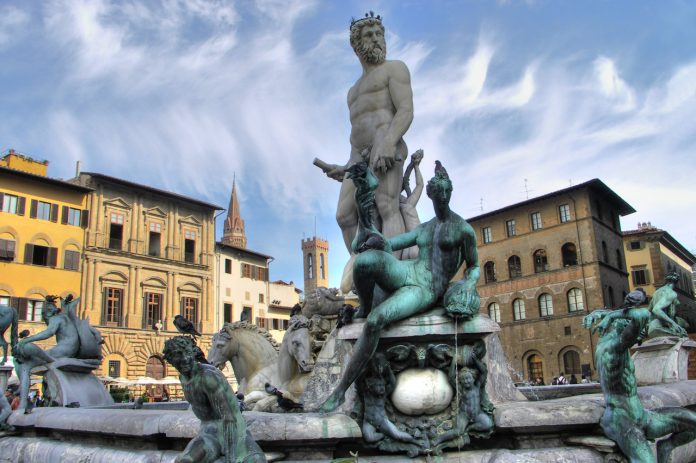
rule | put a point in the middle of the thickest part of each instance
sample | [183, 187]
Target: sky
[184, 95]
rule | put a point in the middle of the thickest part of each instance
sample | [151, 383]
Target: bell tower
[315, 261]
[233, 228]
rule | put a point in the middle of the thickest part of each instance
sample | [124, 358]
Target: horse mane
[228, 328]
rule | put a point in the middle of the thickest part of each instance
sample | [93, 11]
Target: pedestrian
[15, 401]
[562, 381]
[573, 379]
[585, 380]
[554, 381]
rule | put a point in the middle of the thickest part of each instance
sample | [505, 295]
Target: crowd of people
[12, 396]
[561, 380]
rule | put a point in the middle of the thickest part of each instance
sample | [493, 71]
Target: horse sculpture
[249, 349]
[256, 358]
[8, 319]
[295, 356]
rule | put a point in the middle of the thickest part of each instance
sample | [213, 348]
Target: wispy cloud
[12, 22]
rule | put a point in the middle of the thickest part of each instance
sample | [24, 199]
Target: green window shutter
[28, 253]
[64, 215]
[21, 205]
[33, 208]
[54, 213]
[52, 257]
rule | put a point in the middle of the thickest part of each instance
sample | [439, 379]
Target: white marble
[421, 392]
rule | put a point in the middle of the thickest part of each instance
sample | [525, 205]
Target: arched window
[575, 303]
[605, 253]
[619, 260]
[321, 266]
[571, 363]
[570, 254]
[541, 263]
[310, 266]
[515, 267]
[610, 292]
[535, 366]
[494, 311]
[489, 271]
[545, 305]
[518, 310]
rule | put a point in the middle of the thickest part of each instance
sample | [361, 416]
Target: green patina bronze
[663, 307]
[223, 434]
[625, 420]
[411, 286]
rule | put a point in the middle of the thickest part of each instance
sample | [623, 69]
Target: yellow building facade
[42, 231]
[149, 256]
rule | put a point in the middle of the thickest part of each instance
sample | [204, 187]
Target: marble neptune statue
[445, 243]
[381, 110]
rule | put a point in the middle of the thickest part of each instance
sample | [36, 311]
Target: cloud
[12, 22]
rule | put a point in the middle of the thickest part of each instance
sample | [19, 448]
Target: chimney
[77, 169]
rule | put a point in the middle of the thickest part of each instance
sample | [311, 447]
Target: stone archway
[155, 368]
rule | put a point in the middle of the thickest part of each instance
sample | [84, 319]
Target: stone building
[148, 256]
[545, 262]
[652, 253]
[244, 291]
[315, 258]
[42, 230]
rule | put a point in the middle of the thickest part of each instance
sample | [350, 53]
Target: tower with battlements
[315, 259]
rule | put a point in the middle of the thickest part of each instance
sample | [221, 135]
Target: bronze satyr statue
[625, 421]
[412, 286]
[223, 431]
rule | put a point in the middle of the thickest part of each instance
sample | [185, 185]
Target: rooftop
[43, 179]
[244, 250]
[153, 190]
[623, 207]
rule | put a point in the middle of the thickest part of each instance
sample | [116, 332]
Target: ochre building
[148, 256]
[42, 231]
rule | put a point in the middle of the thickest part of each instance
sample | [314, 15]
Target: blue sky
[182, 94]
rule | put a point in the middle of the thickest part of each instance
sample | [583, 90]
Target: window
[518, 309]
[113, 300]
[605, 253]
[9, 203]
[541, 263]
[510, 228]
[262, 323]
[35, 254]
[535, 365]
[246, 314]
[71, 216]
[564, 213]
[545, 305]
[575, 303]
[489, 271]
[310, 266]
[228, 266]
[536, 220]
[569, 254]
[116, 231]
[610, 294]
[634, 245]
[619, 260]
[43, 210]
[153, 309]
[154, 240]
[115, 368]
[321, 266]
[227, 313]
[7, 250]
[494, 311]
[571, 363]
[598, 209]
[254, 272]
[514, 267]
[566, 330]
[487, 234]
[261, 298]
[189, 246]
[189, 306]
[34, 310]
[71, 260]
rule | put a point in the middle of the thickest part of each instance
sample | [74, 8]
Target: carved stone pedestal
[662, 360]
[426, 369]
[70, 381]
